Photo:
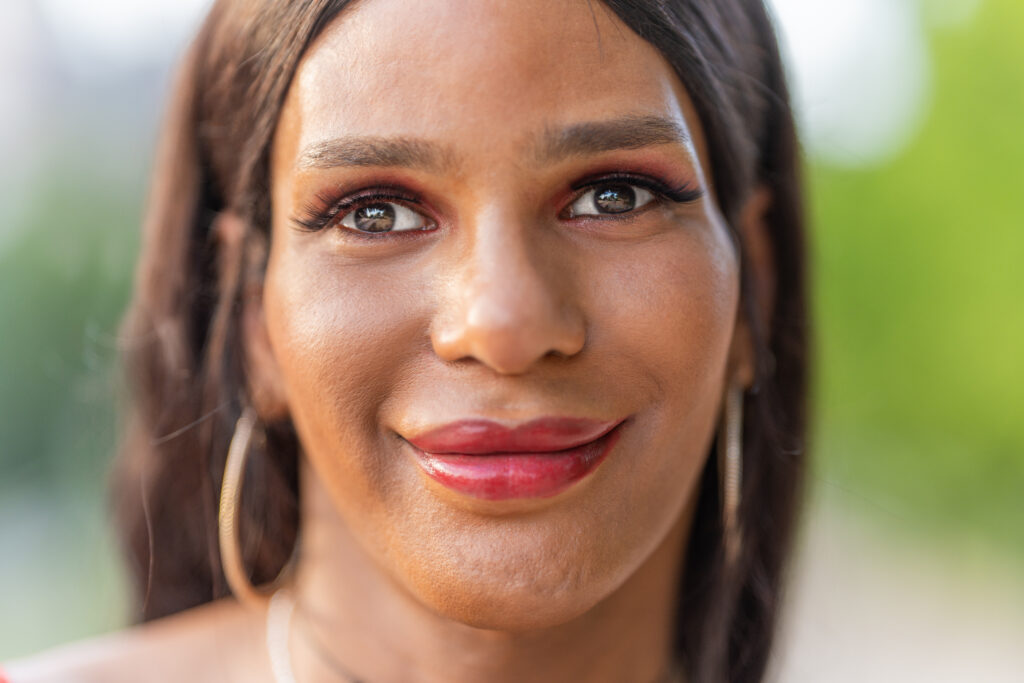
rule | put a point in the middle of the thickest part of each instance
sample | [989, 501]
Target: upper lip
[541, 435]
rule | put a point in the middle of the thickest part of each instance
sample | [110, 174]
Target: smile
[538, 459]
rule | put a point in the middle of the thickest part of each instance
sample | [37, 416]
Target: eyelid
[330, 207]
[642, 195]
[400, 212]
[645, 181]
[686, 193]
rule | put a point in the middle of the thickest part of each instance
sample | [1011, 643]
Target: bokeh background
[912, 111]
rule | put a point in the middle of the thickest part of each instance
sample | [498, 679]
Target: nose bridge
[508, 305]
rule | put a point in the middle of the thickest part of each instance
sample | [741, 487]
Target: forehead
[460, 71]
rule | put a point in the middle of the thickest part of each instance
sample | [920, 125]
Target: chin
[512, 607]
[518, 581]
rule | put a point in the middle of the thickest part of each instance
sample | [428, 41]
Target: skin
[508, 308]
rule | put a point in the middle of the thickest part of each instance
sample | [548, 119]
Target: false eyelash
[316, 215]
[683, 194]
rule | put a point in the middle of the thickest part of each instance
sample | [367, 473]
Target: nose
[508, 303]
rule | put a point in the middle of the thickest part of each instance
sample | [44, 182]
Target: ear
[240, 251]
[759, 267]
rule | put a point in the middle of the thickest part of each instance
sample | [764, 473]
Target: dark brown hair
[185, 363]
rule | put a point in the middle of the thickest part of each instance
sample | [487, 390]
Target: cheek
[342, 337]
[666, 318]
[664, 321]
[668, 313]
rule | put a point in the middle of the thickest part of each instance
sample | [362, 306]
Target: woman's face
[493, 237]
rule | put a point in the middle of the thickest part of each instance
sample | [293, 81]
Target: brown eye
[383, 217]
[375, 218]
[610, 199]
[615, 199]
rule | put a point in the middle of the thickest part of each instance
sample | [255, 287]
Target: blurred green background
[918, 303]
[920, 300]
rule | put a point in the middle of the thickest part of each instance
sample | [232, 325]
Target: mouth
[539, 459]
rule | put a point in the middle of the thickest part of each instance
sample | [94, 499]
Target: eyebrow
[594, 137]
[375, 151]
[578, 139]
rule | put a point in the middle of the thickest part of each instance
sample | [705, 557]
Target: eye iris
[615, 198]
[375, 218]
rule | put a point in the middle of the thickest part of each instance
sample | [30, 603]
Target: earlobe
[741, 354]
[759, 269]
[266, 386]
[241, 255]
[759, 254]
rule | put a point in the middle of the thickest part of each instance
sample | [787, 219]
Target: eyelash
[686, 193]
[323, 212]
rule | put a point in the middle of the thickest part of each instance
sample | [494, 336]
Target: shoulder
[220, 641]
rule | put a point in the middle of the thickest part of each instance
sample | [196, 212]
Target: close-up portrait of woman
[468, 342]
[442, 310]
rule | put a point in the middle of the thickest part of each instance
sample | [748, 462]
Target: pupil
[615, 199]
[375, 218]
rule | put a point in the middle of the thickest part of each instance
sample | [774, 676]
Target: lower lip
[506, 476]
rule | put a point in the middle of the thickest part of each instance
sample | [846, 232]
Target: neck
[354, 621]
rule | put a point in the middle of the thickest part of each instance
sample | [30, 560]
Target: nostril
[510, 345]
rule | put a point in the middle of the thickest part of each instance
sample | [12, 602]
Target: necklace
[279, 623]
[279, 626]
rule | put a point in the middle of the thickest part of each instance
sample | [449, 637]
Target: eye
[610, 198]
[383, 217]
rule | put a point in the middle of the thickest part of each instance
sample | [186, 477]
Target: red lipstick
[538, 459]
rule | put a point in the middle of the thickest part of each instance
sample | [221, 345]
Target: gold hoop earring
[730, 471]
[227, 518]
